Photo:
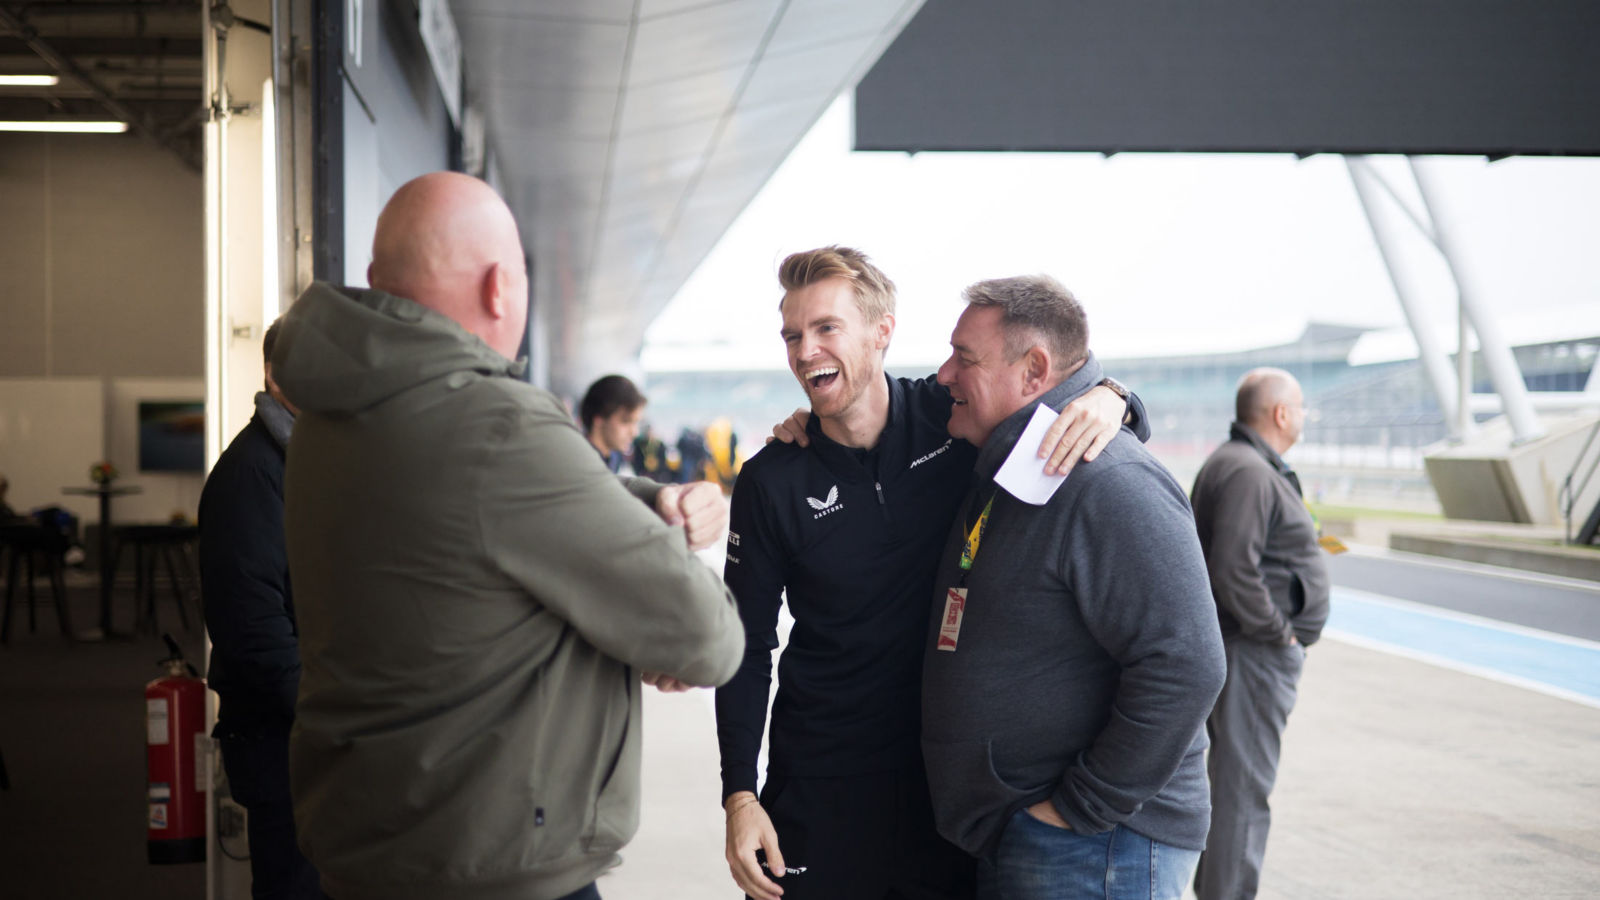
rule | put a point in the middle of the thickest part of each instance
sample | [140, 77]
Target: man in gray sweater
[1271, 586]
[1073, 652]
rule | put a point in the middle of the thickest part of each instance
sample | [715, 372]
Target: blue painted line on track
[1568, 665]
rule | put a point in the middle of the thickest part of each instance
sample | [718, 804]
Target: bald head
[448, 242]
[1271, 403]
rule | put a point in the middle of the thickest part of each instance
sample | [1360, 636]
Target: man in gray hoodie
[477, 596]
[1073, 651]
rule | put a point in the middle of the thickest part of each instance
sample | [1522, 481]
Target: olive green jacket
[476, 597]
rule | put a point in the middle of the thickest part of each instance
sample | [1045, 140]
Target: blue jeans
[1037, 861]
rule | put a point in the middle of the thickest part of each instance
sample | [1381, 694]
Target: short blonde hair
[873, 289]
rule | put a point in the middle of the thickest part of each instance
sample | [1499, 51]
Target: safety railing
[1573, 487]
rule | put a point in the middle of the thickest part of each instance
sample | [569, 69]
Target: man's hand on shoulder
[699, 507]
[1082, 430]
[793, 429]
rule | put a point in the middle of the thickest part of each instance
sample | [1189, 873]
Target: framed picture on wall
[172, 435]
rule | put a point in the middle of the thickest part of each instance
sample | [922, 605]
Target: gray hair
[1036, 309]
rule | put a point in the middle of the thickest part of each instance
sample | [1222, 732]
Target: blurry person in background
[650, 456]
[1270, 582]
[610, 413]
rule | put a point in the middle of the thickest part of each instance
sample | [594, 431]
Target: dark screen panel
[1481, 77]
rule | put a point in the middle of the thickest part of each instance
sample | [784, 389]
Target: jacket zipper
[882, 503]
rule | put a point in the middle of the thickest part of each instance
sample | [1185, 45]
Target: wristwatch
[1117, 387]
[1121, 390]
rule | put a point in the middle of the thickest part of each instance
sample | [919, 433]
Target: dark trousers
[1246, 730]
[258, 773]
[864, 837]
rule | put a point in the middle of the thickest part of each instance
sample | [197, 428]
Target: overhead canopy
[631, 134]
[1481, 77]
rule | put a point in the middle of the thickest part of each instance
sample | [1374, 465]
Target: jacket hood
[344, 350]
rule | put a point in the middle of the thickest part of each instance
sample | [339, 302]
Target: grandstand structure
[1371, 422]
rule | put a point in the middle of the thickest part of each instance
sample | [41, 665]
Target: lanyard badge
[955, 599]
[969, 550]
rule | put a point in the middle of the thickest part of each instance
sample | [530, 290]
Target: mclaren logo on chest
[826, 507]
[924, 458]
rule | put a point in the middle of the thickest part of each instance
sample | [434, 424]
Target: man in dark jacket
[255, 655]
[1073, 653]
[1271, 588]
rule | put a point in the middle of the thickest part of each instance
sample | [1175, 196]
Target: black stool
[24, 543]
[168, 544]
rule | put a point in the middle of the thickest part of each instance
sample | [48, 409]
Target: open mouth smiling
[822, 377]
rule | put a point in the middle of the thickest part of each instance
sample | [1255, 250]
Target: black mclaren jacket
[854, 538]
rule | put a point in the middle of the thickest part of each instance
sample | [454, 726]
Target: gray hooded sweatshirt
[1088, 654]
[476, 595]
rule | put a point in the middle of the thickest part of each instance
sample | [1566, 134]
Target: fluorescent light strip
[29, 80]
[67, 127]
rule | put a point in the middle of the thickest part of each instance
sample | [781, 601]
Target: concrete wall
[101, 271]
[101, 305]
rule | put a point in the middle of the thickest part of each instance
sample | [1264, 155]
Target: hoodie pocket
[970, 800]
[616, 806]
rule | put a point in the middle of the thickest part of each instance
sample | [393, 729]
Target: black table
[105, 492]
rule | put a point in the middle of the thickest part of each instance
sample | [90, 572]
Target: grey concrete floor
[1399, 780]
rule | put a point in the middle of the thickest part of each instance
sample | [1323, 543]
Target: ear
[883, 332]
[1035, 369]
[495, 290]
[1280, 416]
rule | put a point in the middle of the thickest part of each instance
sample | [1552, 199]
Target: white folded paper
[1022, 474]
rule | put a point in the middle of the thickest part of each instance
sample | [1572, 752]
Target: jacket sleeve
[1135, 570]
[244, 584]
[1239, 510]
[1138, 419]
[755, 572]
[572, 535]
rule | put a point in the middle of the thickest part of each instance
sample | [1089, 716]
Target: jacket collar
[275, 418]
[891, 447]
[1239, 431]
[1004, 437]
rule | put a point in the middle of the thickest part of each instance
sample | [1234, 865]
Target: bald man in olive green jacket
[477, 595]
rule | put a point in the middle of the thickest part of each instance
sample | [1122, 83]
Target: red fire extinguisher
[175, 707]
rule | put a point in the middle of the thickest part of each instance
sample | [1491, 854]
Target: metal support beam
[65, 66]
[1496, 353]
[292, 39]
[1434, 360]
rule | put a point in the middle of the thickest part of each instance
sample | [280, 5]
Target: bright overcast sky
[1168, 253]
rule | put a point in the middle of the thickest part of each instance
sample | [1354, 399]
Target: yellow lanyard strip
[969, 551]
